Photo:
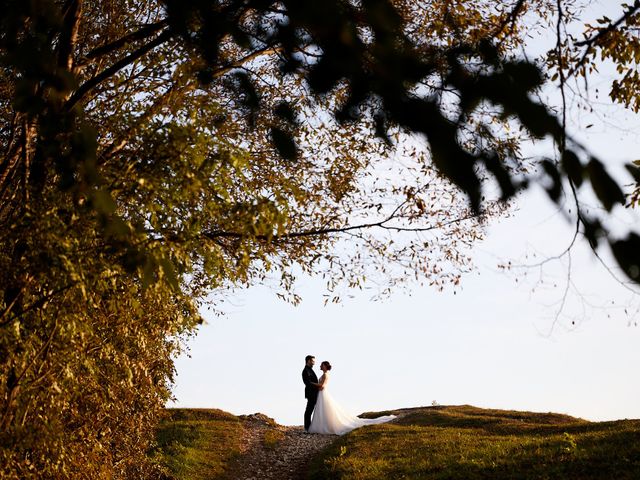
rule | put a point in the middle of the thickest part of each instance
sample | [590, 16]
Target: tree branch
[590, 42]
[69, 34]
[348, 228]
[241, 61]
[41, 301]
[14, 387]
[510, 19]
[119, 143]
[115, 68]
[144, 32]
[563, 137]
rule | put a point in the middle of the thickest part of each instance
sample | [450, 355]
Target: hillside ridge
[442, 441]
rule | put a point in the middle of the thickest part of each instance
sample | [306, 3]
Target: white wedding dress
[330, 418]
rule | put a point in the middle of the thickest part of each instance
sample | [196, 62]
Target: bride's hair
[326, 364]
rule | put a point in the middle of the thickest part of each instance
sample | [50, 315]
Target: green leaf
[627, 254]
[605, 188]
[170, 273]
[502, 175]
[102, 202]
[634, 170]
[284, 111]
[572, 167]
[284, 143]
[555, 190]
[148, 272]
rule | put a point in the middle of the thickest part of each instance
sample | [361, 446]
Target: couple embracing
[323, 414]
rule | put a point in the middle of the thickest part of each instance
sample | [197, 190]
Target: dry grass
[272, 438]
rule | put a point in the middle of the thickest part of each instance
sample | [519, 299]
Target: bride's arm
[323, 379]
[306, 378]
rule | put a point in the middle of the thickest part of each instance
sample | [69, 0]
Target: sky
[502, 340]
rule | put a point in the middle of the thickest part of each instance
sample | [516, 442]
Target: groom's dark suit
[310, 393]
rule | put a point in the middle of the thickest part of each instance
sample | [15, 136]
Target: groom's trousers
[311, 403]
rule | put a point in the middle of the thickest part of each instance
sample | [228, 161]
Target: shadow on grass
[601, 456]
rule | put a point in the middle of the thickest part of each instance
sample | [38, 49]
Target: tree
[573, 61]
[155, 151]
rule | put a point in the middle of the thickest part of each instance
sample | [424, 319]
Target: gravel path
[272, 451]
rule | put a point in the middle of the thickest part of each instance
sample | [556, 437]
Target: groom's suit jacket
[309, 377]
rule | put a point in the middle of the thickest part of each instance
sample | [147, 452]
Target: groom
[310, 389]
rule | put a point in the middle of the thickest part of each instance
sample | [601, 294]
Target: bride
[329, 417]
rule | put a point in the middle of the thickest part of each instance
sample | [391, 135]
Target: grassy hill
[444, 442]
[197, 443]
[464, 442]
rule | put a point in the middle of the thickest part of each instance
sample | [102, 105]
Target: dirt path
[272, 451]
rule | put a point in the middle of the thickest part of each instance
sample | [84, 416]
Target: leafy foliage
[400, 80]
[615, 40]
[573, 59]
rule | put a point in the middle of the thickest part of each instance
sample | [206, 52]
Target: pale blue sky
[494, 343]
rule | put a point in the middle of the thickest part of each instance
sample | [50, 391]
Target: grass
[197, 443]
[272, 438]
[464, 442]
